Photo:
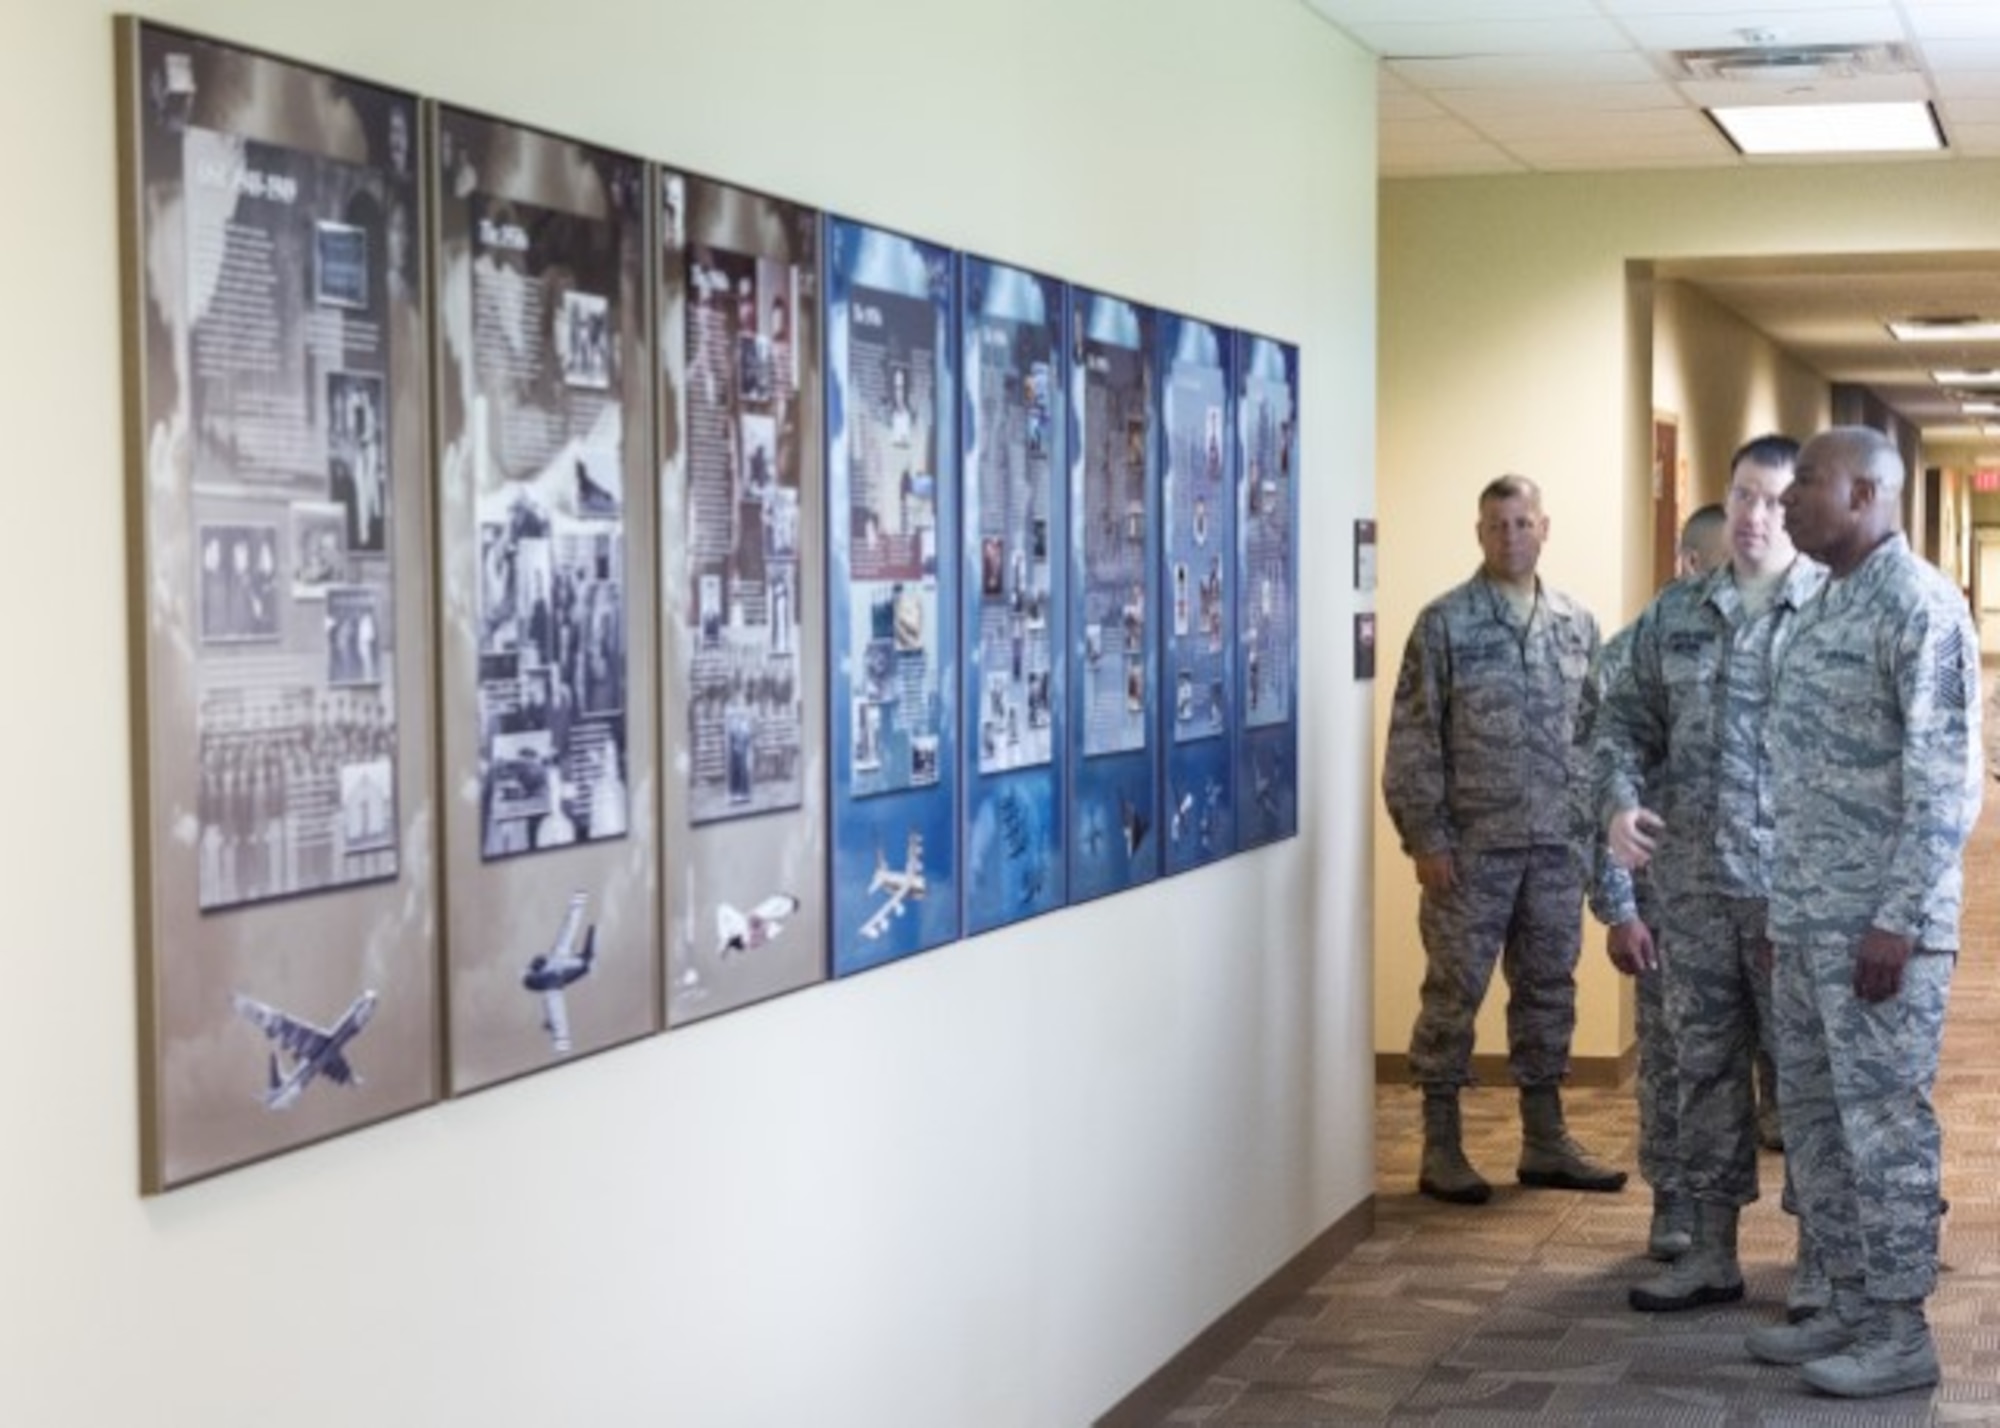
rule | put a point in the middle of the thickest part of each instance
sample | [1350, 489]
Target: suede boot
[1550, 1156]
[1672, 1232]
[1829, 1332]
[1707, 1274]
[1446, 1174]
[1893, 1354]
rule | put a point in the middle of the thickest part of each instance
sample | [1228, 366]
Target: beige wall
[996, 1185]
[1507, 342]
[1727, 382]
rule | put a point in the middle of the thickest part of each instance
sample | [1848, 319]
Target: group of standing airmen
[1764, 786]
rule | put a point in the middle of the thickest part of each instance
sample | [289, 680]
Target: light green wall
[996, 1185]
[1506, 344]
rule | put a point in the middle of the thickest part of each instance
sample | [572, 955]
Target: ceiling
[1541, 86]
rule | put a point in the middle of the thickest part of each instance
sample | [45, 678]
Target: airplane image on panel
[897, 887]
[304, 1051]
[746, 931]
[562, 964]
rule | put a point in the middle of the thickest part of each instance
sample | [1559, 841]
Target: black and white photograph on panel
[545, 551]
[741, 511]
[276, 446]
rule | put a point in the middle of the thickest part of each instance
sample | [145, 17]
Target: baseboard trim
[1392, 1068]
[1169, 1387]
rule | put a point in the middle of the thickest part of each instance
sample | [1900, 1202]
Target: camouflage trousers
[1717, 998]
[1521, 908]
[1659, 1088]
[1861, 1136]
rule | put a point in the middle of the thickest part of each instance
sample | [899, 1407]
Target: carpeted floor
[1514, 1312]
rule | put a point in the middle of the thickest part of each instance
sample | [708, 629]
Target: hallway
[1514, 1312]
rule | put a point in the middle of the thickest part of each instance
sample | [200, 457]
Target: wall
[1727, 382]
[1507, 344]
[999, 1184]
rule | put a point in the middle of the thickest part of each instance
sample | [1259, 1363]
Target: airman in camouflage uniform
[1479, 777]
[1875, 738]
[1626, 904]
[1688, 720]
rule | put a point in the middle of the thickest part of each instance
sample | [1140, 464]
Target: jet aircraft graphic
[896, 887]
[562, 964]
[304, 1051]
[746, 931]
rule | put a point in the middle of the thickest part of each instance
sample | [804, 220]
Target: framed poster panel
[1267, 556]
[742, 510]
[1114, 581]
[1198, 579]
[892, 591]
[546, 564]
[279, 601]
[1016, 521]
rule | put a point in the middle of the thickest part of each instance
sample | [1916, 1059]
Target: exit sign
[1986, 479]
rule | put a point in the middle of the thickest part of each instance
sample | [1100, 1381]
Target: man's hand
[1630, 944]
[1437, 872]
[1633, 836]
[1878, 964]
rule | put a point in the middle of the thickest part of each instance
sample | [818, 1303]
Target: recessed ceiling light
[1830, 128]
[1945, 329]
[1968, 377]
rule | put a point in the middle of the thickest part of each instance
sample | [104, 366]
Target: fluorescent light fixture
[1904, 127]
[1945, 329]
[1981, 408]
[1968, 377]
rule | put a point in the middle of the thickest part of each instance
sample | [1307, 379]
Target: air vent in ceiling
[1793, 64]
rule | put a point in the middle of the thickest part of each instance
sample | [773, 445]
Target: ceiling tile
[1504, 71]
[1954, 21]
[1964, 113]
[1362, 12]
[1622, 8]
[1480, 104]
[1960, 55]
[1609, 131]
[1975, 139]
[1403, 38]
[1723, 30]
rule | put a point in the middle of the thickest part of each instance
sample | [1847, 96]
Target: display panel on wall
[1197, 517]
[545, 560]
[892, 593]
[1267, 654]
[1114, 492]
[1016, 522]
[741, 522]
[280, 602]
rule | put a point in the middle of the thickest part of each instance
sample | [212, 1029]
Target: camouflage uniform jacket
[1875, 744]
[1480, 751]
[1688, 720]
[1615, 896]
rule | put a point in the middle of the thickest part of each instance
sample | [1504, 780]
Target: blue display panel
[1267, 656]
[892, 591]
[1016, 528]
[1198, 526]
[1114, 578]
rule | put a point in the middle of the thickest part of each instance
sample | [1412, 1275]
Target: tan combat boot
[1446, 1174]
[1893, 1353]
[1829, 1332]
[1707, 1274]
[1550, 1156]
